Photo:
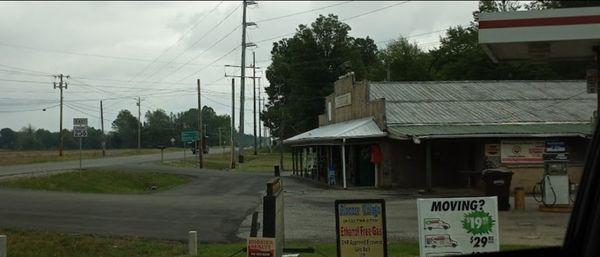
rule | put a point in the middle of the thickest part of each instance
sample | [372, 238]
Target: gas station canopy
[568, 33]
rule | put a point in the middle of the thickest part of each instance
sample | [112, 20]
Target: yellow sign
[361, 228]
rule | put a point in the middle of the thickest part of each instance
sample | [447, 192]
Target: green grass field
[45, 244]
[24, 157]
[23, 243]
[100, 181]
[263, 162]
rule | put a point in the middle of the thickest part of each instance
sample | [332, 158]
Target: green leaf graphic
[478, 222]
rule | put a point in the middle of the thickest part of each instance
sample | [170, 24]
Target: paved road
[87, 163]
[92, 163]
[215, 203]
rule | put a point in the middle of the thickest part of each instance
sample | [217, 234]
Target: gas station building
[443, 133]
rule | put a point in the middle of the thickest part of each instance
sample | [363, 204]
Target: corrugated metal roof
[447, 131]
[493, 102]
[359, 128]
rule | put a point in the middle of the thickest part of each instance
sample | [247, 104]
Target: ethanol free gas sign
[454, 226]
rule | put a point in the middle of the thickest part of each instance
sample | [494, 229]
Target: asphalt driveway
[214, 203]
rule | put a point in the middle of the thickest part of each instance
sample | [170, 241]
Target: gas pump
[555, 183]
[555, 187]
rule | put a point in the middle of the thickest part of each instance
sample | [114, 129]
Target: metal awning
[416, 132]
[353, 129]
[565, 33]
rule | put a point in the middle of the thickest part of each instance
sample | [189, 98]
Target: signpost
[80, 126]
[361, 228]
[273, 224]
[456, 226]
[188, 136]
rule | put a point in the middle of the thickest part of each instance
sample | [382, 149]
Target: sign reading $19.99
[455, 226]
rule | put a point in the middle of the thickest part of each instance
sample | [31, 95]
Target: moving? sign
[455, 226]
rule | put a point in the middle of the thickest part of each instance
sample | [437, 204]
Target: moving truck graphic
[436, 223]
[441, 240]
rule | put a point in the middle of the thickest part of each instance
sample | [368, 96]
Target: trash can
[497, 183]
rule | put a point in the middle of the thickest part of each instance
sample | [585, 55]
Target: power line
[196, 42]
[213, 62]
[122, 58]
[196, 23]
[29, 110]
[204, 51]
[346, 19]
[374, 11]
[302, 12]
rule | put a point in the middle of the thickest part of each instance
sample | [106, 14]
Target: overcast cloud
[108, 48]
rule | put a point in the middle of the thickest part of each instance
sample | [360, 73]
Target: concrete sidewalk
[309, 215]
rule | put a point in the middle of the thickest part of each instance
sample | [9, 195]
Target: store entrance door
[365, 170]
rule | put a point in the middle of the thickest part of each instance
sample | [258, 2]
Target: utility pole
[220, 145]
[139, 123]
[232, 133]
[201, 137]
[388, 77]
[259, 123]
[243, 74]
[281, 126]
[254, 109]
[61, 84]
[242, 80]
[102, 126]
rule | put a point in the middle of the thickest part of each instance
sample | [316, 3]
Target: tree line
[305, 66]
[157, 129]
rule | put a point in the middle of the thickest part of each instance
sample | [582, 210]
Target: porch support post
[376, 175]
[428, 166]
[344, 162]
[293, 160]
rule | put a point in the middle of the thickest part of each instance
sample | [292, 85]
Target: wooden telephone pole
[61, 84]
[232, 133]
[102, 125]
[200, 134]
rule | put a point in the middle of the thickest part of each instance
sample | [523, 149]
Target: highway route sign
[80, 131]
[80, 122]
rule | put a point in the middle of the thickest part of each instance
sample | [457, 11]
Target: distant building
[443, 133]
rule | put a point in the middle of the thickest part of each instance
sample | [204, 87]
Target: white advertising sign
[526, 151]
[455, 226]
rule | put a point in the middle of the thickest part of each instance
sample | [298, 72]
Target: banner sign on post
[361, 228]
[455, 226]
[189, 136]
[522, 151]
[260, 247]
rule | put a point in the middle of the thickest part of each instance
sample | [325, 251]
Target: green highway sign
[189, 136]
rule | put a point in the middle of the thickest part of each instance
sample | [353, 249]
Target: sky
[118, 51]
